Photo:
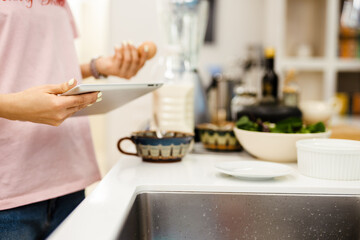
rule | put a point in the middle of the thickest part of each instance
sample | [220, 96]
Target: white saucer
[253, 169]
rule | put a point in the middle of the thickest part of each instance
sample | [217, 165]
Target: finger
[72, 110]
[134, 63]
[143, 57]
[126, 53]
[78, 100]
[62, 88]
[118, 57]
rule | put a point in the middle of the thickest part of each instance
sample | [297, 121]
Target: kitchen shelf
[315, 79]
[304, 63]
[292, 23]
[348, 81]
[305, 28]
[348, 65]
[320, 64]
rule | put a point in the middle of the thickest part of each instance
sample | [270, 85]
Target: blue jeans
[37, 220]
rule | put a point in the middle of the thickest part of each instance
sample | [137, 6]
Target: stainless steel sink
[222, 216]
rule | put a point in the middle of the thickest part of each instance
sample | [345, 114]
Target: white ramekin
[336, 159]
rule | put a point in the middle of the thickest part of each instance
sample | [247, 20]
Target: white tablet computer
[114, 95]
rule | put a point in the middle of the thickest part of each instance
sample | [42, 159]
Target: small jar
[243, 97]
[290, 89]
[290, 97]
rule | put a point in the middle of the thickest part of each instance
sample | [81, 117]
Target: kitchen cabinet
[306, 36]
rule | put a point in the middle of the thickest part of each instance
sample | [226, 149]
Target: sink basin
[221, 216]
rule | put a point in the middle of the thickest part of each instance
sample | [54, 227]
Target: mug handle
[121, 150]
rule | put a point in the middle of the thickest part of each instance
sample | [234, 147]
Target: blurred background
[313, 51]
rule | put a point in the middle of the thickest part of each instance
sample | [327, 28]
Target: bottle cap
[269, 52]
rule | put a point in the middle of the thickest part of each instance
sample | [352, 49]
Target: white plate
[253, 169]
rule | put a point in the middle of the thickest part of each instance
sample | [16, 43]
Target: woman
[44, 169]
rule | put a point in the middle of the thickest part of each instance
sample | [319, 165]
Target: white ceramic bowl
[319, 111]
[276, 147]
[336, 159]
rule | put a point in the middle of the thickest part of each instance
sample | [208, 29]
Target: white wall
[91, 17]
[238, 23]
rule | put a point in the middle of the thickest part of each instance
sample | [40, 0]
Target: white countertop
[101, 215]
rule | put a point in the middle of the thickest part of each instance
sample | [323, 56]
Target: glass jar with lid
[244, 96]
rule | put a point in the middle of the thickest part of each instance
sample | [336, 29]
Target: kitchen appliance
[183, 24]
[219, 97]
[173, 104]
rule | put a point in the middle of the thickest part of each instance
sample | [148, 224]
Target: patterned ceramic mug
[171, 147]
[219, 137]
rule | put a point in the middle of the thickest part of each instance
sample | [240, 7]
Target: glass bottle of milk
[173, 103]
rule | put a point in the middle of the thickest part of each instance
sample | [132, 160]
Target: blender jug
[183, 25]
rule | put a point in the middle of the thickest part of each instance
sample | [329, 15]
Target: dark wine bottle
[270, 81]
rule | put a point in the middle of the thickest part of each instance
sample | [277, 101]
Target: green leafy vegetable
[289, 125]
[317, 127]
[246, 124]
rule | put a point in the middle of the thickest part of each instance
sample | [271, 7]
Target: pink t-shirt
[39, 162]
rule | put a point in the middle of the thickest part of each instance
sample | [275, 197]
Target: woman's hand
[127, 60]
[43, 105]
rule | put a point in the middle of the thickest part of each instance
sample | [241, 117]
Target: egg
[152, 49]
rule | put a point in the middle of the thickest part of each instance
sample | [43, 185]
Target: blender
[183, 25]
